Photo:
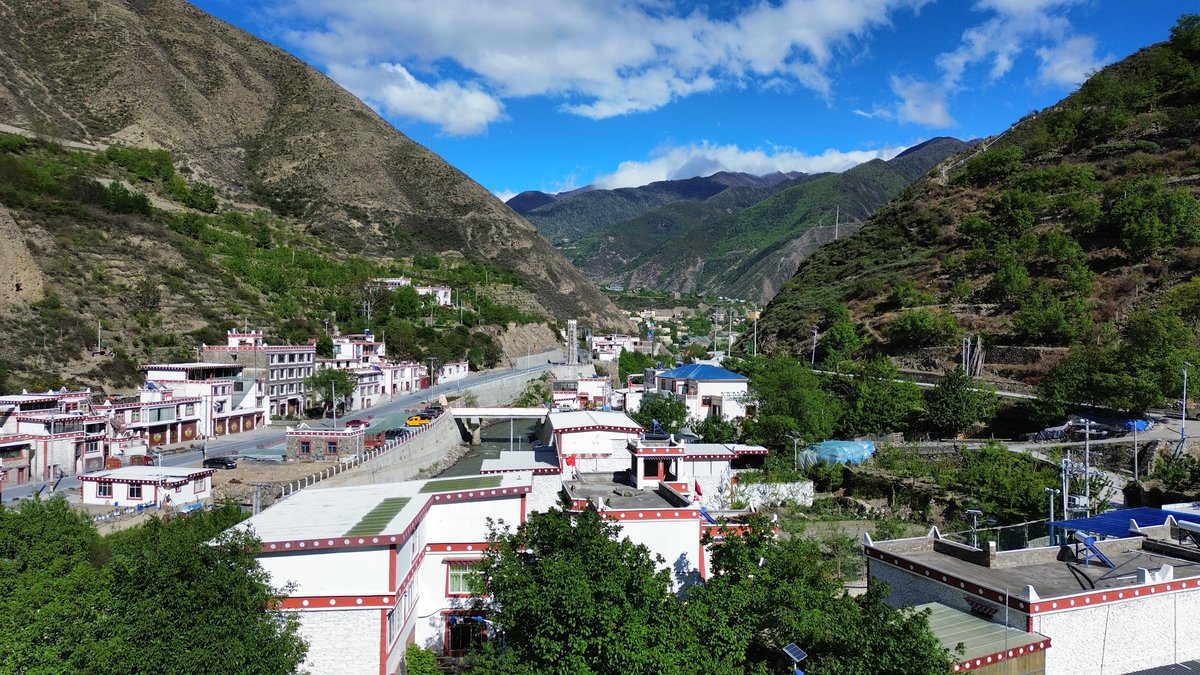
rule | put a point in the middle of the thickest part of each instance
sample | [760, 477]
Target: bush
[992, 165]
[924, 327]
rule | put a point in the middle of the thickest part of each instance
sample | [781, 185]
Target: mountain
[747, 241]
[262, 128]
[1072, 234]
[529, 200]
[184, 177]
[572, 215]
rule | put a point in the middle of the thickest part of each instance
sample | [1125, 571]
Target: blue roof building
[707, 390]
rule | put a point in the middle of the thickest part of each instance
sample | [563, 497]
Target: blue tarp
[1116, 523]
[837, 452]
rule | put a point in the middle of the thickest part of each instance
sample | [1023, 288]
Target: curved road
[274, 435]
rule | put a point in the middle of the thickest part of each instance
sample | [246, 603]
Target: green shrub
[924, 327]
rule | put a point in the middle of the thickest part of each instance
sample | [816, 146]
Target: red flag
[698, 492]
[570, 460]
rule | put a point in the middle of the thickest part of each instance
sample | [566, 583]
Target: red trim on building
[383, 642]
[315, 602]
[599, 427]
[628, 515]
[523, 507]
[458, 547]
[996, 657]
[641, 451]
[319, 543]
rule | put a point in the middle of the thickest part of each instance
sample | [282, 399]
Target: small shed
[147, 486]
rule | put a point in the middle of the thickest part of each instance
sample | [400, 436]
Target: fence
[1007, 537]
[291, 488]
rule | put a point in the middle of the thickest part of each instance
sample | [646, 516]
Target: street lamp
[1087, 464]
[795, 451]
[974, 513]
[1052, 494]
[813, 361]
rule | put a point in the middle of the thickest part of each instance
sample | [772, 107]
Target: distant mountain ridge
[567, 216]
[738, 235]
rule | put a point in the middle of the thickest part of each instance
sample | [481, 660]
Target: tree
[789, 401]
[670, 412]
[955, 404]
[172, 596]
[766, 592]
[325, 347]
[609, 610]
[876, 399]
[716, 429]
[407, 303]
[630, 363]
[330, 385]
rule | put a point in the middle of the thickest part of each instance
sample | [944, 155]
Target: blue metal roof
[1116, 523]
[702, 371]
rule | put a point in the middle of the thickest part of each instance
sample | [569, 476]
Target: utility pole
[1183, 409]
[333, 403]
[813, 361]
[1087, 465]
[837, 218]
[1135, 451]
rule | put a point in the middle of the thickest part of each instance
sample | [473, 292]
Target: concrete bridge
[470, 420]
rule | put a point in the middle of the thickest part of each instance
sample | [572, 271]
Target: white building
[402, 377]
[283, 367]
[707, 390]
[377, 567]
[1129, 602]
[453, 371]
[229, 402]
[609, 347]
[442, 295]
[45, 436]
[591, 441]
[180, 487]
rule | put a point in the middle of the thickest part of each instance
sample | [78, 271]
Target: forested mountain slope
[1073, 237]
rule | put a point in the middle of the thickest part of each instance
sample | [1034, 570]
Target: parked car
[418, 420]
[220, 463]
[433, 410]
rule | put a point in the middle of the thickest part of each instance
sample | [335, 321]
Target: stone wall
[761, 494]
[341, 641]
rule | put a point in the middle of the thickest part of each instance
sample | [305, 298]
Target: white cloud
[505, 195]
[921, 102]
[1071, 62]
[458, 109]
[1017, 26]
[602, 58]
[703, 159]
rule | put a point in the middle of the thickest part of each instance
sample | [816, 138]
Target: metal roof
[1116, 523]
[702, 371]
[1184, 667]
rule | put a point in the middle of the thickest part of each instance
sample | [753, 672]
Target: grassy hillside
[118, 246]
[1078, 228]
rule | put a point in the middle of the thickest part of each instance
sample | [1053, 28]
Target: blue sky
[557, 94]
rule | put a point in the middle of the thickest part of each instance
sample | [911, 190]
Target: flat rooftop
[978, 636]
[543, 460]
[385, 509]
[145, 473]
[1048, 570]
[615, 493]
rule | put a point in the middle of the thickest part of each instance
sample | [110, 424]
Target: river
[495, 440]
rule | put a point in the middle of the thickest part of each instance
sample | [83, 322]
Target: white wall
[336, 572]
[1120, 637]
[677, 541]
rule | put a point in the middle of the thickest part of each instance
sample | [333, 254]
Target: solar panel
[793, 650]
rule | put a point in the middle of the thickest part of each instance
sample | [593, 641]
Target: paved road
[274, 435]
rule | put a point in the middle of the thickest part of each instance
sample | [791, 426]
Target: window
[189, 409]
[135, 491]
[198, 486]
[331, 447]
[459, 575]
[136, 415]
[104, 490]
[305, 448]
